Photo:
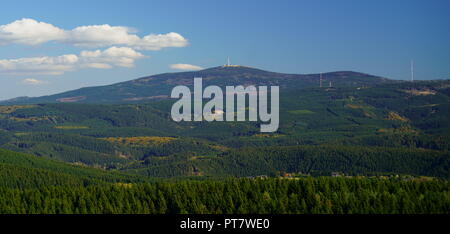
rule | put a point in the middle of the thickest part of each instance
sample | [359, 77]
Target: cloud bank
[183, 66]
[57, 65]
[31, 32]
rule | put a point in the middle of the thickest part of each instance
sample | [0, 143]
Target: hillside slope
[19, 170]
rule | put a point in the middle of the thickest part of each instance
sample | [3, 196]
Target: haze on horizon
[51, 47]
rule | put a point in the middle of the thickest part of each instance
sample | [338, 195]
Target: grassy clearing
[71, 127]
[11, 109]
[139, 141]
[301, 112]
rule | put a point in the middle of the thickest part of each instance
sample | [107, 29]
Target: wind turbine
[321, 80]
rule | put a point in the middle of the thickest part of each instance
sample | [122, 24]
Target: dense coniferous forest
[236, 196]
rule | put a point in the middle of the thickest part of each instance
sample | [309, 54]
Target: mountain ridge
[159, 86]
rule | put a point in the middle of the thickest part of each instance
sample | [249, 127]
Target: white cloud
[109, 58]
[182, 66]
[100, 36]
[32, 81]
[39, 65]
[159, 41]
[118, 56]
[99, 65]
[31, 32]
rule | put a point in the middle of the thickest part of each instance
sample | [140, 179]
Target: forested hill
[399, 128]
[159, 86]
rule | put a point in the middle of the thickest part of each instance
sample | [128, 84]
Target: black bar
[277, 223]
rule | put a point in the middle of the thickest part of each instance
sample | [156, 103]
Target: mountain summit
[159, 86]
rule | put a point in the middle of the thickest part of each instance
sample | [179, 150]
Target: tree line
[323, 195]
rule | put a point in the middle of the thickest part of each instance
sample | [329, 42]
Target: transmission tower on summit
[228, 64]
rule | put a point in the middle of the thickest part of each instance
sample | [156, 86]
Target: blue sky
[377, 37]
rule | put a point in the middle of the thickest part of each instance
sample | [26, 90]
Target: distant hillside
[159, 86]
[399, 128]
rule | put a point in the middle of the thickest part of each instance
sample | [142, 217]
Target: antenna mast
[228, 61]
[412, 70]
